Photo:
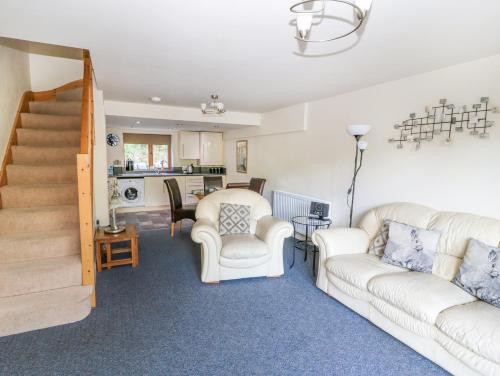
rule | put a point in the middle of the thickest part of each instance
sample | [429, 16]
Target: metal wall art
[443, 120]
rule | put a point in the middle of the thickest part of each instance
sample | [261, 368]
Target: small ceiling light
[138, 122]
[304, 17]
[155, 99]
[215, 107]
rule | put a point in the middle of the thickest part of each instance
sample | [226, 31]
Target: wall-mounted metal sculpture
[444, 119]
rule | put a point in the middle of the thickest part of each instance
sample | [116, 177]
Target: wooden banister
[85, 177]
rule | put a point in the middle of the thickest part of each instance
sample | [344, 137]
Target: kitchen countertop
[154, 174]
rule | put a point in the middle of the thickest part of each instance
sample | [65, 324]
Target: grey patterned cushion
[411, 247]
[480, 271]
[234, 219]
[377, 246]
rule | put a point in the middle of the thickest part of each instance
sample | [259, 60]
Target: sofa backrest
[209, 207]
[456, 230]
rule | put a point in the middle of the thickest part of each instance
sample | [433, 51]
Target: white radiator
[287, 205]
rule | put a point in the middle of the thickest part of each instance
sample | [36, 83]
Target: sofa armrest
[205, 233]
[337, 241]
[269, 228]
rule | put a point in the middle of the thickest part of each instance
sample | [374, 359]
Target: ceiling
[149, 124]
[245, 51]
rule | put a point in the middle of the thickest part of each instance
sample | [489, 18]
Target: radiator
[287, 205]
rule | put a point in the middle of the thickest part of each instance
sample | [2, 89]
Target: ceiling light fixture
[304, 17]
[215, 107]
[155, 99]
[138, 122]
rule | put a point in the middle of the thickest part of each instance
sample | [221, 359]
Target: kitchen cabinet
[156, 193]
[189, 145]
[211, 149]
[193, 183]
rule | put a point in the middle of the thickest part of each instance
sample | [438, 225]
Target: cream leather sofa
[257, 254]
[425, 311]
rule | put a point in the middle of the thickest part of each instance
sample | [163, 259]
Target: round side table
[306, 225]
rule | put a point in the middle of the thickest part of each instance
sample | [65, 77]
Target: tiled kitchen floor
[146, 220]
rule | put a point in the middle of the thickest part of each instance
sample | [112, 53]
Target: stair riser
[56, 108]
[29, 155]
[70, 95]
[28, 137]
[41, 277]
[33, 249]
[28, 320]
[19, 197]
[55, 122]
[19, 174]
[15, 223]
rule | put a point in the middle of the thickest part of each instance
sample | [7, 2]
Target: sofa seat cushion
[358, 269]
[243, 251]
[420, 295]
[475, 326]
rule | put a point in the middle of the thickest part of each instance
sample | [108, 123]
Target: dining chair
[178, 212]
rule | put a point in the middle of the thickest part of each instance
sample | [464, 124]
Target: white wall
[319, 160]
[101, 205]
[49, 72]
[14, 81]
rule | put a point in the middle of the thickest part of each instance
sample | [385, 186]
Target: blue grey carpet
[159, 319]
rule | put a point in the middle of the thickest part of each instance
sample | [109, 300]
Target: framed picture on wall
[241, 156]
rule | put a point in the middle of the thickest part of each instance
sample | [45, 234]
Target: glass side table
[306, 225]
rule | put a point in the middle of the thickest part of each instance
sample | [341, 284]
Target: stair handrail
[85, 177]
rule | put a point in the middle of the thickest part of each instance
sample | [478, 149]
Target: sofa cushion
[475, 326]
[421, 295]
[358, 269]
[479, 273]
[243, 246]
[379, 242]
[411, 247]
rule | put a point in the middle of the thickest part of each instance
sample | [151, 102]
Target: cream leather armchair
[257, 254]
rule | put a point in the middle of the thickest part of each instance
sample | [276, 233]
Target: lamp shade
[362, 145]
[358, 129]
[304, 23]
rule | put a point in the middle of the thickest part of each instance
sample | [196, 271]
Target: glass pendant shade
[362, 145]
[358, 129]
[304, 23]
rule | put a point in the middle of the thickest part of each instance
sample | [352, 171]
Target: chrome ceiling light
[215, 107]
[304, 17]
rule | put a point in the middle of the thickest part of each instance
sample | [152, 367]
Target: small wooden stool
[130, 234]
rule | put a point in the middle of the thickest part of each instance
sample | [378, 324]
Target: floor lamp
[357, 131]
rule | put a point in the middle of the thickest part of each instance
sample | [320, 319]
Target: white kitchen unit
[211, 149]
[156, 193]
[193, 183]
[189, 145]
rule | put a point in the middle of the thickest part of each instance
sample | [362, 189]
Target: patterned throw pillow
[377, 246]
[480, 271]
[234, 219]
[411, 247]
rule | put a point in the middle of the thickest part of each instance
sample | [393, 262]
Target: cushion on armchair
[234, 219]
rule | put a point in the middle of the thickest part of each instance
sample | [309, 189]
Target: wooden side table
[130, 234]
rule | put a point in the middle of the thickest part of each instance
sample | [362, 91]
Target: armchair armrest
[269, 228]
[337, 241]
[205, 233]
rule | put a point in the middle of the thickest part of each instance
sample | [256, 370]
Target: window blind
[148, 139]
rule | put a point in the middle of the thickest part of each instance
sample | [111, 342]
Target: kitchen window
[148, 150]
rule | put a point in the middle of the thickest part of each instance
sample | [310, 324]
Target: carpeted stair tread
[48, 218]
[44, 155]
[37, 245]
[45, 121]
[26, 277]
[44, 309]
[70, 95]
[41, 174]
[43, 137]
[56, 107]
[25, 196]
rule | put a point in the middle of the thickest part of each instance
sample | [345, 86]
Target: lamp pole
[352, 190]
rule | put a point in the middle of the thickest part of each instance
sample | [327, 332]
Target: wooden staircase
[46, 249]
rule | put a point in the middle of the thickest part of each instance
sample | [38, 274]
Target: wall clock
[112, 139]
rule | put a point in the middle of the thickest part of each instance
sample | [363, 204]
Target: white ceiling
[244, 50]
[149, 124]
